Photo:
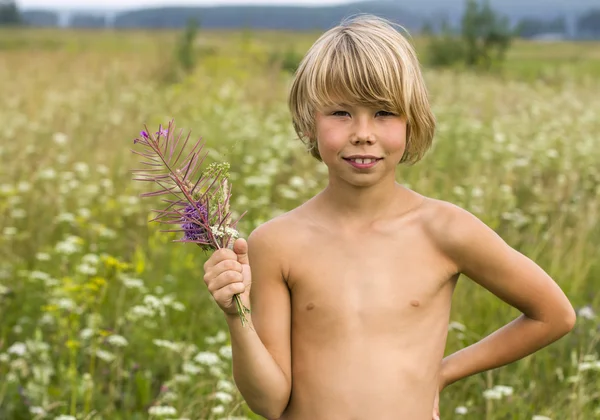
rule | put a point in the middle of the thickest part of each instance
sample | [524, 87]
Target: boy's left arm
[484, 257]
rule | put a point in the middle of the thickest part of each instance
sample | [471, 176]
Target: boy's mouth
[362, 162]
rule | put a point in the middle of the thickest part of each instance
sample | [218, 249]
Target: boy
[350, 292]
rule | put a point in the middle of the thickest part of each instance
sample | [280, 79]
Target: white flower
[586, 312]
[18, 348]
[42, 256]
[37, 411]
[18, 213]
[492, 394]
[537, 417]
[207, 358]
[60, 139]
[456, 326]
[191, 369]
[225, 385]
[218, 409]
[9, 231]
[226, 352]
[461, 409]
[297, 182]
[65, 417]
[82, 168]
[47, 173]
[132, 283]
[23, 186]
[86, 333]
[65, 303]
[504, 390]
[162, 411]
[223, 396]
[117, 340]
[105, 355]
[86, 269]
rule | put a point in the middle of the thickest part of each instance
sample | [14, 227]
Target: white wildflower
[492, 394]
[537, 417]
[18, 348]
[504, 390]
[46, 174]
[84, 213]
[86, 269]
[23, 186]
[225, 385]
[18, 213]
[81, 168]
[9, 231]
[38, 411]
[190, 368]
[223, 396]
[586, 312]
[297, 182]
[65, 417]
[461, 409]
[86, 333]
[60, 139]
[225, 352]
[218, 409]
[117, 340]
[207, 358]
[456, 326]
[105, 355]
[162, 411]
[43, 256]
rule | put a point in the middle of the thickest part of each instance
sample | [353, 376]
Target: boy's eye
[339, 113]
[386, 113]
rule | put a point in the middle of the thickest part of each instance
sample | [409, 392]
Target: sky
[128, 4]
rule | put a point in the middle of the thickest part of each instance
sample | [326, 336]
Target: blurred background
[104, 317]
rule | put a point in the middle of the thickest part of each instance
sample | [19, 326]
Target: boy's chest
[367, 280]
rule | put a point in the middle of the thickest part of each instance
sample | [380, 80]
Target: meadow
[103, 317]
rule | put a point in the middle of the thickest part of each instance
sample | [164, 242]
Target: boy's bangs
[350, 78]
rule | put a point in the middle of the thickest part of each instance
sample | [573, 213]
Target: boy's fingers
[218, 256]
[240, 247]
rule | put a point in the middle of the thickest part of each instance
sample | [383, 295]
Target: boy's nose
[363, 133]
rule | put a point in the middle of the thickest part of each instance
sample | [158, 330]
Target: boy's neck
[361, 205]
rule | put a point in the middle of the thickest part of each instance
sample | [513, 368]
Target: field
[102, 317]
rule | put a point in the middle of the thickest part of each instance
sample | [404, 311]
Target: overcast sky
[127, 4]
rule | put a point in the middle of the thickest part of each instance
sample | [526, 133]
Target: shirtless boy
[350, 292]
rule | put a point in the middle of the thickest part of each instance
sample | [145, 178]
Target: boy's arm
[261, 356]
[484, 257]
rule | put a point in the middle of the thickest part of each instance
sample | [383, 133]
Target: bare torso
[370, 312]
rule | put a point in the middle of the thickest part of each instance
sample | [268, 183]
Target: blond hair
[364, 60]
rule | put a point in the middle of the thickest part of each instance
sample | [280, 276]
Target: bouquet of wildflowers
[199, 203]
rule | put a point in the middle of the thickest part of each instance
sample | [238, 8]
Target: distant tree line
[586, 25]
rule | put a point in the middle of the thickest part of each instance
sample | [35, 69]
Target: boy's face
[347, 131]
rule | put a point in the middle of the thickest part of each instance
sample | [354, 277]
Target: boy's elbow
[569, 319]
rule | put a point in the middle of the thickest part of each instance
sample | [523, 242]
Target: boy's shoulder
[453, 229]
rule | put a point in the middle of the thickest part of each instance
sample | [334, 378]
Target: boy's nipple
[310, 306]
[414, 303]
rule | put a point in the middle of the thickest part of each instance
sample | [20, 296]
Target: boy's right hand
[227, 273]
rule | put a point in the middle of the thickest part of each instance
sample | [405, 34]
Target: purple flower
[162, 132]
[144, 134]
[194, 231]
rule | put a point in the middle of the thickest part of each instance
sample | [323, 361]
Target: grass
[104, 318]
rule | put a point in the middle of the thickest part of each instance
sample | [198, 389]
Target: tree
[9, 13]
[483, 40]
[588, 25]
[487, 35]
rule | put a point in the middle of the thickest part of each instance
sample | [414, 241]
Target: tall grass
[104, 318]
